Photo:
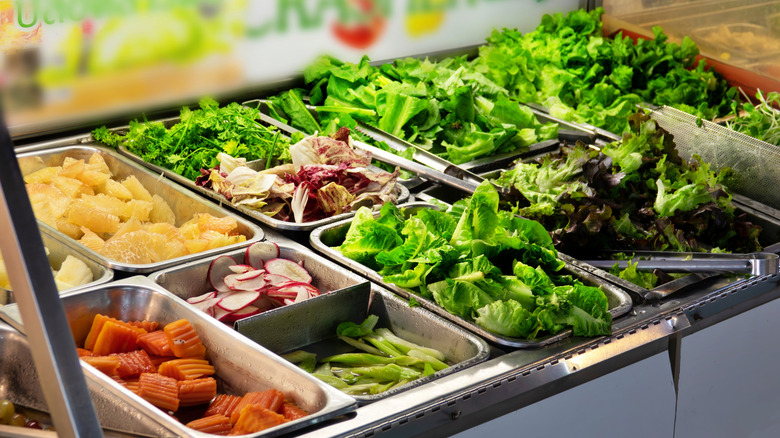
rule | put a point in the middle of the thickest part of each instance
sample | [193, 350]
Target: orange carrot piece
[83, 352]
[186, 369]
[254, 418]
[97, 327]
[292, 412]
[222, 404]
[197, 391]
[184, 340]
[271, 399]
[157, 360]
[159, 390]
[134, 363]
[148, 326]
[116, 338]
[213, 424]
[155, 343]
[131, 384]
[105, 364]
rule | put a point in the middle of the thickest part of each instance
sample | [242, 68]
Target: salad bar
[410, 248]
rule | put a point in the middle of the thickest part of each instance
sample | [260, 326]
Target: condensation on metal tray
[756, 164]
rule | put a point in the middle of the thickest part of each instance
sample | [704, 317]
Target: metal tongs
[756, 263]
[450, 174]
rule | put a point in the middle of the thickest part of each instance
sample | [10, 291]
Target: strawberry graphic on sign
[363, 28]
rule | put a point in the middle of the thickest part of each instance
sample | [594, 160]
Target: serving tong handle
[757, 263]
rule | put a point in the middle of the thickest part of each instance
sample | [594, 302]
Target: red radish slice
[276, 280]
[207, 306]
[201, 298]
[218, 268]
[288, 301]
[238, 300]
[260, 252]
[222, 314]
[247, 312]
[280, 293]
[254, 284]
[240, 269]
[289, 269]
[250, 280]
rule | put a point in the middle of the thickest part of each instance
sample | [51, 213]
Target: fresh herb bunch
[638, 194]
[761, 121]
[445, 107]
[568, 66]
[193, 143]
[487, 266]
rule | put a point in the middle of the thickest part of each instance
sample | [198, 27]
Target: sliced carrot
[159, 390]
[254, 418]
[186, 368]
[97, 327]
[134, 363]
[149, 326]
[132, 385]
[116, 338]
[82, 352]
[197, 391]
[105, 364]
[292, 412]
[157, 360]
[271, 399]
[213, 424]
[184, 339]
[156, 343]
[222, 404]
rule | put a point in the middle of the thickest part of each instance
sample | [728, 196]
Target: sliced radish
[288, 301]
[276, 280]
[240, 269]
[200, 298]
[218, 268]
[260, 252]
[207, 306]
[250, 280]
[238, 300]
[222, 314]
[247, 312]
[280, 293]
[289, 269]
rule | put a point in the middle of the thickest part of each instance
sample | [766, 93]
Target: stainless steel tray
[281, 331]
[59, 248]
[184, 203]
[324, 239]
[242, 366]
[19, 383]
[403, 195]
[190, 279]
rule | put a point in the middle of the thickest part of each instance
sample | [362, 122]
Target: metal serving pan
[184, 203]
[403, 195]
[191, 279]
[19, 383]
[765, 216]
[281, 331]
[325, 239]
[60, 247]
[242, 366]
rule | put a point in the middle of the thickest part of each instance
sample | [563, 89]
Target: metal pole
[53, 349]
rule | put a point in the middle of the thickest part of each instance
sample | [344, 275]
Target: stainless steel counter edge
[523, 377]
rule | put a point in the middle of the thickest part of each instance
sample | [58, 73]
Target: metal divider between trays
[54, 355]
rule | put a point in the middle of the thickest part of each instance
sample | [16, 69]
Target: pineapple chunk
[98, 164]
[116, 189]
[136, 188]
[71, 187]
[73, 272]
[140, 210]
[43, 176]
[72, 167]
[93, 178]
[161, 211]
[97, 220]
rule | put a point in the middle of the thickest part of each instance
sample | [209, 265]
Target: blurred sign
[65, 61]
